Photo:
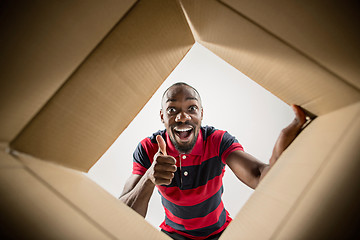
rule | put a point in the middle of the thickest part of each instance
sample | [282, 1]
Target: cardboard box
[73, 76]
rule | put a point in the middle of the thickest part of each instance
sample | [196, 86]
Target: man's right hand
[163, 167]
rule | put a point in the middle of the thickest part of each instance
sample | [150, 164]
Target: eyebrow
[174, 99]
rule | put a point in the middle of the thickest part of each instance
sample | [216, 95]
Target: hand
[300, 117]
[289, 133]
[161, 172]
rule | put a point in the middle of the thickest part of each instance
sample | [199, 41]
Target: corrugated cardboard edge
[267, 59]
[71, 205]
[288, 189]
[43, 43]
[325, 31]
[94, 106]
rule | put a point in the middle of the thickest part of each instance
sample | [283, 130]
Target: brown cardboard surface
[86, 196]
[8, 161]
[3, 146]
[282, 190]
[326, 31]
[301, 197]
[266, 59]
[97, 103]
[329, 209]
[41, 44]
[29, 210]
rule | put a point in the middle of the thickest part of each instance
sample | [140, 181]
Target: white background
[231, 102]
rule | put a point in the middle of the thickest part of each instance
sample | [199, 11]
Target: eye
[171, 110]
[193, 108]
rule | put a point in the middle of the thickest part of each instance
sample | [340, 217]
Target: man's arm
[138, 189]
[250, 170]
[137, 193]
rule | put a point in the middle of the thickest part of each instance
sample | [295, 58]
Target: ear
[161, 116]
[202, 113]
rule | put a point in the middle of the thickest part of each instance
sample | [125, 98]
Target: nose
[182, 117]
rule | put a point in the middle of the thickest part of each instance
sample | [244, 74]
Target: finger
[300, 115]
[162, 144]
[163, 181]
[165, 167]
[166, 160]
[164, 175]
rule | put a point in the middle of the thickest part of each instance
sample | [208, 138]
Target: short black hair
[179, 84]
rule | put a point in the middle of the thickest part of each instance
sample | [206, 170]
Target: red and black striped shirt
[192, 202]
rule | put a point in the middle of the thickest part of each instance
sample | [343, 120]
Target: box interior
[75, 75]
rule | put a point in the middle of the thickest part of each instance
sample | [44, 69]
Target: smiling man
[182, 125]
[186, 162]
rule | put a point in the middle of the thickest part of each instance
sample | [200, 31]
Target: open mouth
[183, 133]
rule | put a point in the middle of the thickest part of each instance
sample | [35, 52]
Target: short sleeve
[141, 161]
[228, 145]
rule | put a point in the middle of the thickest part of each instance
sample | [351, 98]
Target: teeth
[183, 129]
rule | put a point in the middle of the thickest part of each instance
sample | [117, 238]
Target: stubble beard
[184, 149]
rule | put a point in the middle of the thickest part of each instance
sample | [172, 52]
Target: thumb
[162, 144]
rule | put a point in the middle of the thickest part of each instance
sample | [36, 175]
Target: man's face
[181, 114]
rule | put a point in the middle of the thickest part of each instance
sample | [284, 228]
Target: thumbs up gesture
[163, 167]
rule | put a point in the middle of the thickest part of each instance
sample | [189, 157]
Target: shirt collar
[197, 150]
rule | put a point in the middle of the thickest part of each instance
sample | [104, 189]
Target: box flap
[101, 98]
[42, 44]
[296, 177]
[273, 63]
[8, 161]
[325, 31]
[332, 200]
[30, 210]
[87, 197]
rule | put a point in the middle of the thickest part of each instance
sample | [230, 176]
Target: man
[186, 162]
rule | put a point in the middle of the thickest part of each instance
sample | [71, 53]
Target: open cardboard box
[74, 75]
